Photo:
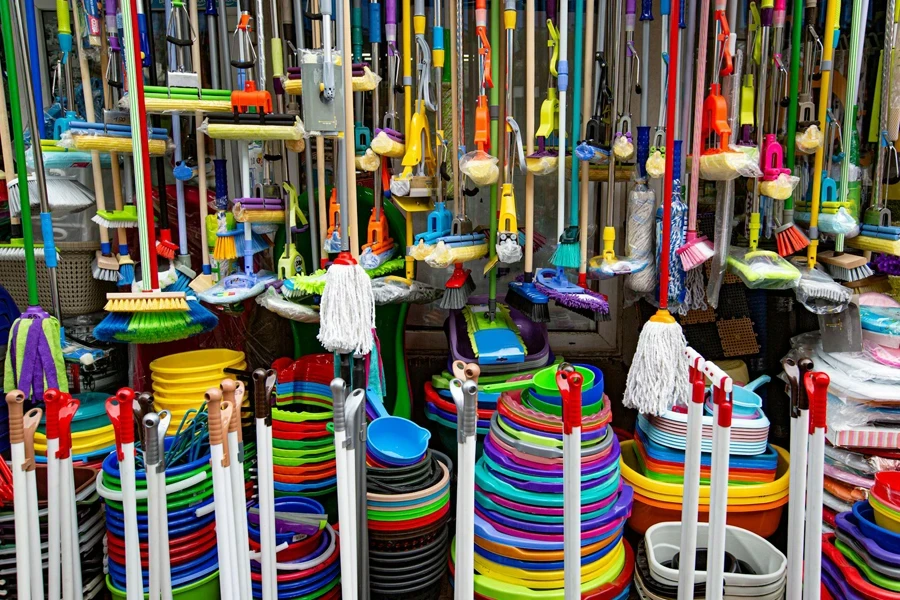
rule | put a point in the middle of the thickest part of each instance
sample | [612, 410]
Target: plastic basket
[79, 292]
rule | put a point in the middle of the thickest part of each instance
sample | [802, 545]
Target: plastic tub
[205, 589]
[195, 362]
[884, 516]
[663, 541]
[212, 378]
[737, 494]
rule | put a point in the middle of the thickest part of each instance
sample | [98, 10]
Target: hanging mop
[34, 360]
[419, 165]
[508, 249]
[658, 374]
[761, 268]
[545, 161]
[608, 265]
[841, 266]
[789, 237]
[697, 250]
[389, 141]
[524, 296]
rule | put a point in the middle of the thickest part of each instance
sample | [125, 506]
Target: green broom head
[391, 266]
[304, 285]
[156, 327]
[568, 253]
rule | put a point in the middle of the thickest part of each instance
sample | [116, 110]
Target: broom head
[790, 239]
[146, 302]
[695, 251]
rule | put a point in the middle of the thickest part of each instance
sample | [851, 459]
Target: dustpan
[534, 336]
[762, 269]
[496, 341]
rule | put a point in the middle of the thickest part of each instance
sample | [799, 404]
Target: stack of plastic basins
[90, 534]
[519, 502]
[180, 380]
[408, 510]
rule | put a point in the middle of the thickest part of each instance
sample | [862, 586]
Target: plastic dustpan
[398, 439]
[533, 335]
[494, 341]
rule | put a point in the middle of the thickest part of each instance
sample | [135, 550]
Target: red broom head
[458, 279]
[165, 247]
[790, 240]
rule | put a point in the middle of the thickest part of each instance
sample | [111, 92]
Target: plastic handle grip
[390, 12]
[630, 7]
[570, 388]
[726, 409]
[665, 9]
[551, 10]
[66, 416]
[53, 402]
[719, 378]
[49, 242]
[646, 10]
[676, 162]
[338, 396]
[212, 10]
[15, 401]
[375, 23]
[817, 391]
[64, 23]
[145, 40]
[260, 400]
[681, 23]
[694, 359]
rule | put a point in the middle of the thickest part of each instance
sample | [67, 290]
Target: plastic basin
[196, 362]
[204, 589]
[397, 441]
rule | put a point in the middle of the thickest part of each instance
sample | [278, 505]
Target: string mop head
[695, 251]
[347, 309]
[658, 377]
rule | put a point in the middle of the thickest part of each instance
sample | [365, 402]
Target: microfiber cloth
[494, 341]
[34, 360]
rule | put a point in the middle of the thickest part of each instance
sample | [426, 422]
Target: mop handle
[15, 401]
[817, 392]
[53, 399]
[65, 415]
[670, 160]
[720, 379]
[569, 385]
[390, 26]
[119, 409]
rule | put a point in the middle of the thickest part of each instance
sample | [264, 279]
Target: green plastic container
[205, 589]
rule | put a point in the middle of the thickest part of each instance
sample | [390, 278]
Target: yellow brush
[141, 302]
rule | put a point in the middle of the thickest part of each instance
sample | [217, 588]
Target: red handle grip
[817, 389]
[119, 410]
[725, 413]
[53, 400]
[569, 385]
[66, 415]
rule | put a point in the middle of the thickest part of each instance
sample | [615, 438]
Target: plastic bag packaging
[819, 293]
[540, 164]
[368, 162]
[384, 145]
[169, 106]
[809, 140]
[894, 106]
[480, 167]
[272, 300]
[445, 255]
[762, 269]
[640, 238]
[880, 319]
[724, 166]
[509, 251]
[779, 188]
[254, 132]
[297, 146]
[839, 223]
[584, 151]
[394, 290]
[656, 164]
[420, 251]
[366, 82]
[623, 147]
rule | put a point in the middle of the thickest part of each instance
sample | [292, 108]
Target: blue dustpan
[397, 441]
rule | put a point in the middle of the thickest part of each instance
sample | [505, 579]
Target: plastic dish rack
[79, 292]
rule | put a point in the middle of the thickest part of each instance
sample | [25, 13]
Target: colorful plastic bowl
[397, 441]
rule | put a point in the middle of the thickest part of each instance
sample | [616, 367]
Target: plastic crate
[79, 292]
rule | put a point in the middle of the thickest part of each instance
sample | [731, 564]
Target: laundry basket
[79, 292]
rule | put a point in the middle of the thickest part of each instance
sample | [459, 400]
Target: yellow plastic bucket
[196, 362]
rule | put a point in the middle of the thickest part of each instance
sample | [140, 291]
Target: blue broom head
[126, 275]
[112, 325]
[257, 243]
[202, 316]
[182, 284]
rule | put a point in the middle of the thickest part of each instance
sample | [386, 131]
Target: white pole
[348, 549]
[119, 410]
[221, 492]
[817, 390]
[692, 458]
[799, 445]
[52, 400]
[569, 383]
[30, 423]
[718, 493]
[15, 400]
[234, 392]
[263, 412]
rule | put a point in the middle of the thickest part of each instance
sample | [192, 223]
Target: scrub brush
[457, 289]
